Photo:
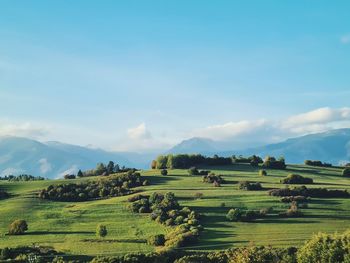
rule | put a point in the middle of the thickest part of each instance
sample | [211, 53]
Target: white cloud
[72, 170]
[45, 166]
[318, 116]
[231, 129]
[247, 132]
[25, 129]
[345, 39]
[139, 133]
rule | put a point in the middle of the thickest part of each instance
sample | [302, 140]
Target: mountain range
[54, 159]
[332, 146]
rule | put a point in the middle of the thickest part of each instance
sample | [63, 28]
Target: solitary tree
[80, 174]
[18, 227]
[110, 167]
[101, 231]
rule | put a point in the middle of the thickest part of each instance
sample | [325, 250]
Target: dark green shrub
[296, 179]
[346, 172]
[101, 231]
[164, 172]
[245, 185]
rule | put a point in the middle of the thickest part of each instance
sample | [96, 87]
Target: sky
[144, 75]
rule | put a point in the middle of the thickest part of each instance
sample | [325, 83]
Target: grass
[70, 227]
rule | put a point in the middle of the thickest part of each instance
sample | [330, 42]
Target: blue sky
[143, 75]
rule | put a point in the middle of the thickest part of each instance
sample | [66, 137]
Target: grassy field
[70, 227]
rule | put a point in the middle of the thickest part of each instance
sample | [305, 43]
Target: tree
[153, 164]
[18, 227]
[116, 168]
[100, 169]
[162, 162]
[262, 172]
[157, 240]
[346, 172]
[101, 231]
[80, 174]
[110, 167]
[164, 172]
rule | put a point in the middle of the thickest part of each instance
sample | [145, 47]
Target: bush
[262, 172]
[101, 231]
[234, 214]
[293, 211]
[193, 171]
[245, 185]
[346, 172]
[296, 179]
[157, 240]
[164, 172]
[325, 248]
[212, 178]
[18, 227]
[69, 176]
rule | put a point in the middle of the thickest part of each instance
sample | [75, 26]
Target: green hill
[70, 226]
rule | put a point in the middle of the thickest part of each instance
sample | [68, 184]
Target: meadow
[70, 226]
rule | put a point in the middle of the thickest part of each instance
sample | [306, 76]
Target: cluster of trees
[4, 194]
[28, 254]
[111, 186]
[273, 163]
[194, 171]
[254, 160]
[214, 179]
[237, 214]
[250, 186]
[105, 169]
[296, 179]
[21, 177]
[166, 210]
[317, 163]
[310, 192]
[249, 254]
[185, 161]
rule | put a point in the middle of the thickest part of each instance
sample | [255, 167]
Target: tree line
[185, 161]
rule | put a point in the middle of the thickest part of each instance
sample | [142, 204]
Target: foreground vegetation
[69, 226]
